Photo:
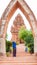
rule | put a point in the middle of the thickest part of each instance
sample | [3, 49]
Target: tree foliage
[22, 33]
[27, 36]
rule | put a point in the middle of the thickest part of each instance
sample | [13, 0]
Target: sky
[32, 4]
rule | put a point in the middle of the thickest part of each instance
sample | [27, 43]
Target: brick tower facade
[18, 22]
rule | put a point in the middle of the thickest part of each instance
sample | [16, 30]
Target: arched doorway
[12, 7]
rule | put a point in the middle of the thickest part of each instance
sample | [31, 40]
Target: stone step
[27, 60]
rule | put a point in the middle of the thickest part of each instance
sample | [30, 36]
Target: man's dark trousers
[14, 49]
[14, 52]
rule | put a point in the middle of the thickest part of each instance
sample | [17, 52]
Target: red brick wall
[18, 22]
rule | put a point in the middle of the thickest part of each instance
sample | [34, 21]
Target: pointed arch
[10, 10]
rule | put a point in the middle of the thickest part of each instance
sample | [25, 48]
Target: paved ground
[26, 60]
[22, 58]
[21, 50]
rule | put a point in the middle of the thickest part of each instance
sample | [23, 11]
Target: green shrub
[31, 47]
[8, 45]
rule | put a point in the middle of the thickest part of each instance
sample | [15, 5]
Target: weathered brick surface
[17, 24]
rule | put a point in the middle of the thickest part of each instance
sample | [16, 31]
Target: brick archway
[8, 13]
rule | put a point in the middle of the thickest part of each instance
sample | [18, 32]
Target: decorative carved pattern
[18, 22]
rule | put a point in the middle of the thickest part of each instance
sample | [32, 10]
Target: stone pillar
[2, 47]
[35, 44]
